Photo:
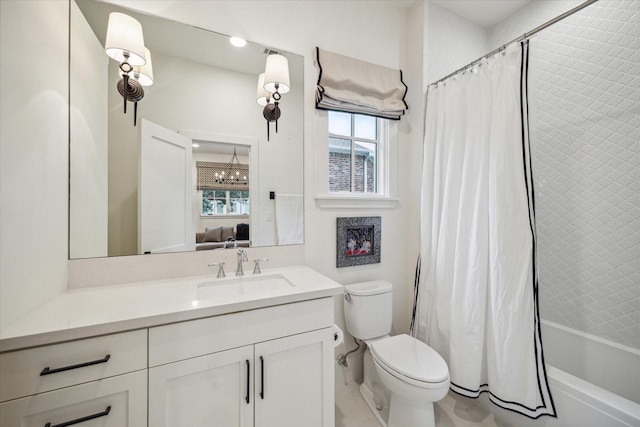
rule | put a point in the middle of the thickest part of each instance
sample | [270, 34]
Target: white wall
[34, 57]
[451, 42]
[88, 201]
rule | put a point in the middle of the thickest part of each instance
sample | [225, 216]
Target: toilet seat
[411, 360]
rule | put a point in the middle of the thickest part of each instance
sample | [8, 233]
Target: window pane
[339, 145]
[339, 164]
[339, 123]
[365, 127]
[207, 202]
[214, 202]
[366, 166]
[239, 201]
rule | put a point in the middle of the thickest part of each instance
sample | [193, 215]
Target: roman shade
[354, 86]
[207, 179]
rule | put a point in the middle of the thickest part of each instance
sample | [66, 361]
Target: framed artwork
[358, 241]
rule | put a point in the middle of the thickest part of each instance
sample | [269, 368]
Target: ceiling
[484, 12]
[185, 41]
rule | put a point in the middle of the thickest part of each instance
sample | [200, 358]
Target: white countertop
[83, 313]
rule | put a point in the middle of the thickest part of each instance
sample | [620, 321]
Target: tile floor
[452, 411]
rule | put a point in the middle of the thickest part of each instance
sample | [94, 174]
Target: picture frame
[358, 241]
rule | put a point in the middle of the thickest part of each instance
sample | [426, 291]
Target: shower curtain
[477, 302]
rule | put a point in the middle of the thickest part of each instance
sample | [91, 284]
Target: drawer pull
[83, 419]
[248, 384]
[261, 378]
[47, 371]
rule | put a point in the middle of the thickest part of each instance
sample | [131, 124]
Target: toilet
[403, 376]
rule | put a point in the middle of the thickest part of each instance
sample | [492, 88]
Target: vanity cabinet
[263, 368]
[98, 378]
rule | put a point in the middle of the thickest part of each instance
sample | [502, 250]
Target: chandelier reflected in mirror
[234, 173]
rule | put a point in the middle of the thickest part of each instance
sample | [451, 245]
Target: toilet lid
[410, 357]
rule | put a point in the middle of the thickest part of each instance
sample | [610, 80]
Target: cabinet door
[294, 381]
[211, 390]
[119, 401]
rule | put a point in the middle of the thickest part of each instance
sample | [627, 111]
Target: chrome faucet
[242, 256]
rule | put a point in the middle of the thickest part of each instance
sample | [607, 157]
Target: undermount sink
[251, 285]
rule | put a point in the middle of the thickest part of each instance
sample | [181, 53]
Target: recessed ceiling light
[195, 145]
[237, 42]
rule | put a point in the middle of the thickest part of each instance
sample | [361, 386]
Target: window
[224, 202]
[355, 149]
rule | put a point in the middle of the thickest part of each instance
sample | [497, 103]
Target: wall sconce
[125, 44]
[262, 96]
[272, 84]
[144, 73]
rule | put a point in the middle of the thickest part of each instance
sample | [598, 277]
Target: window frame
[379, 141]
[386, 197]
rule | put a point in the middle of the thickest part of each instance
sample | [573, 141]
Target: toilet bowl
[412, 374]
[415, 375]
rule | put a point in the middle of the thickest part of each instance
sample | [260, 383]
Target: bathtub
[594, 382]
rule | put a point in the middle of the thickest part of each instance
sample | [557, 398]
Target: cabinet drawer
[194, 338]
[23, 372]
[118, 401]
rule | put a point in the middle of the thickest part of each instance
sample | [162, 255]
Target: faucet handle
[256, 267]
[220, 274]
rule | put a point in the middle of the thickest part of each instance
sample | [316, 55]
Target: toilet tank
[368, 309]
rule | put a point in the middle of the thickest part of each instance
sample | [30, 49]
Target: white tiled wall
[584, 122]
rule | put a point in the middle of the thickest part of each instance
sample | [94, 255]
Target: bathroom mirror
[125, 200]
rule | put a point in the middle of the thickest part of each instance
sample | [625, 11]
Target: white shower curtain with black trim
[477, 300]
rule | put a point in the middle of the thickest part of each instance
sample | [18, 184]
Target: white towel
[289, 216]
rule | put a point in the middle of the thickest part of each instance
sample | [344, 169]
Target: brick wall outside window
[340, 169]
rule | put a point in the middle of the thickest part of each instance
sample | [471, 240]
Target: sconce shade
[144, 73]
[124, 35]
[276, 72]
[261, 94]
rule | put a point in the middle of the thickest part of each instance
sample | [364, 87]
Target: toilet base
[382, 414]
[374, 393]
[403, 413]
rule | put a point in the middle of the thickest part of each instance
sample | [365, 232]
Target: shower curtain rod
[525, 36]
